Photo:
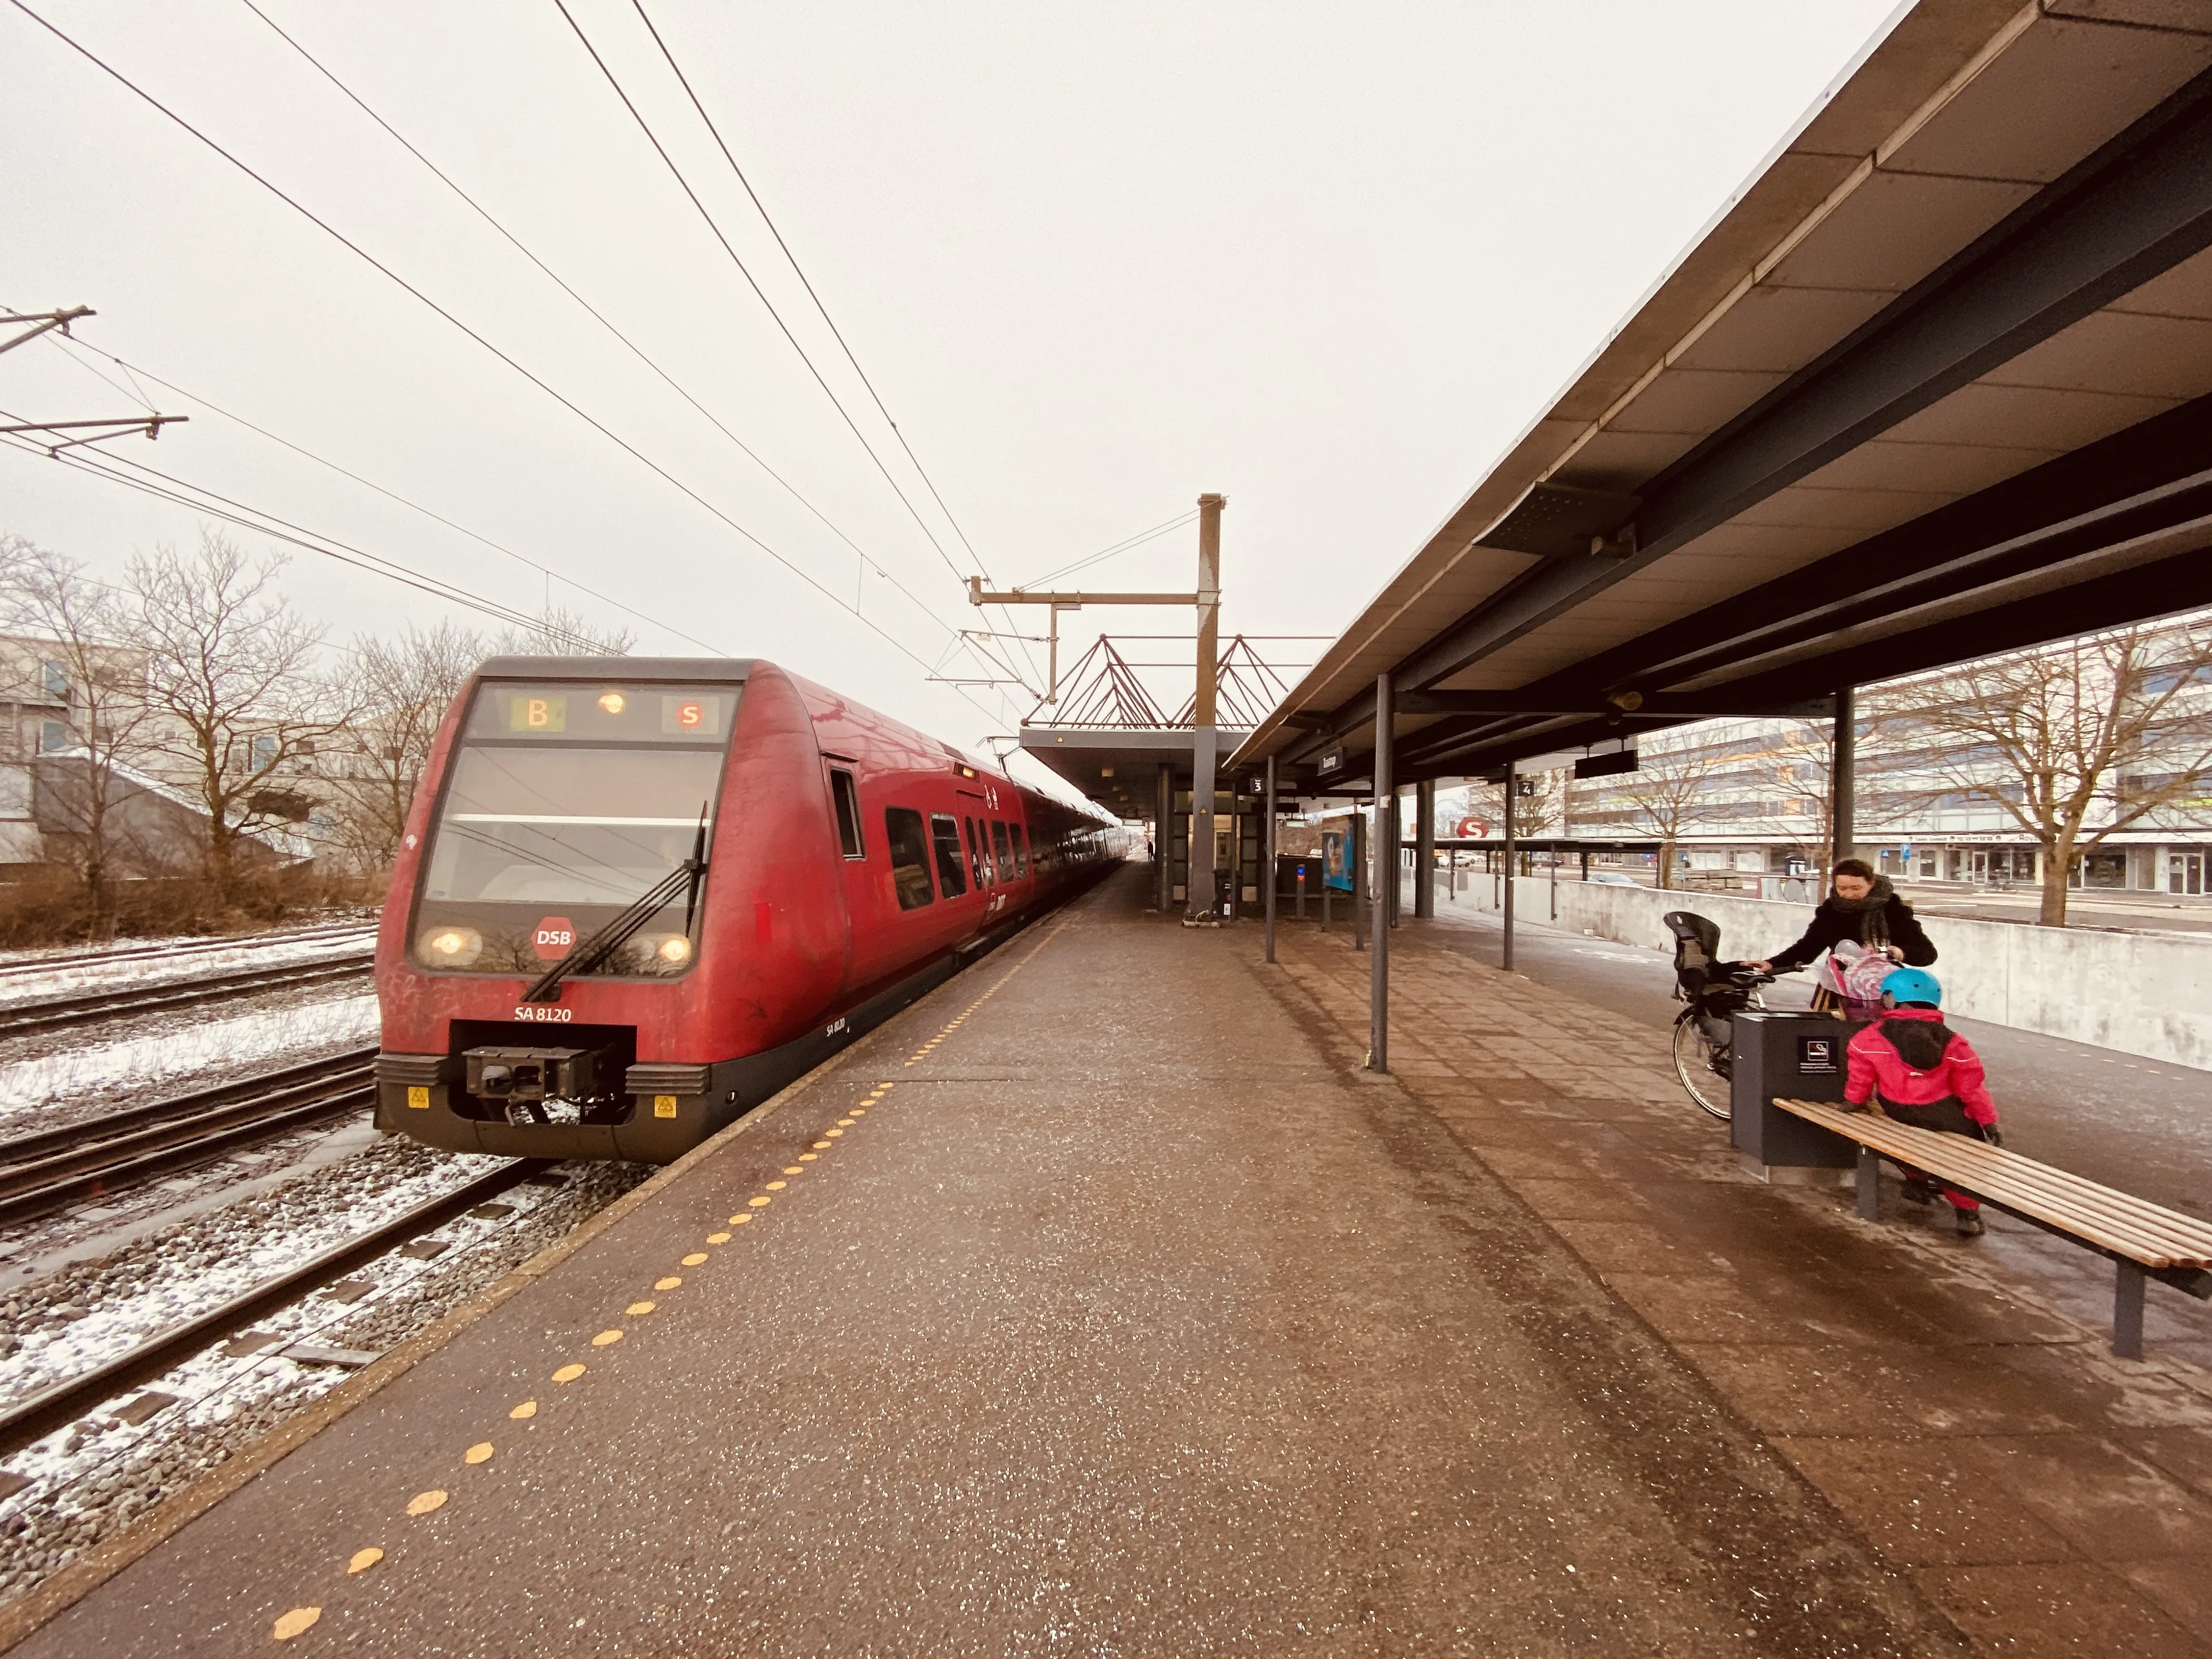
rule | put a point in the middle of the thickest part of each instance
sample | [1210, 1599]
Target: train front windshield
[565, 805]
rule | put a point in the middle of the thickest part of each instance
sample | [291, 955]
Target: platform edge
[20, 1617]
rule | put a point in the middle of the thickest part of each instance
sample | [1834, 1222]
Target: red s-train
[638, 895]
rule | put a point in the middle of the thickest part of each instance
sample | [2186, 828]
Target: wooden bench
[2143, 1240]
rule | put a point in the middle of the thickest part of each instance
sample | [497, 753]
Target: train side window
[909, 846]
[946, 834]
[1001, 854]
[978, 865]
[846, 794]
[1021, 852]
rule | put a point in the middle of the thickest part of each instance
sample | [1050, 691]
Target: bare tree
[231, 675]
[2074, 742]
[562, 633]
[403, 689]
[82, 626]
[1664, 792]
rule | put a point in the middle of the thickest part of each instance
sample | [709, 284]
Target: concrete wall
[2141, 994]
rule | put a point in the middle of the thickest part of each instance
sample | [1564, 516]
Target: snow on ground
[87, 1480]
[244, 1042]
[156, 1293]
[28, 984]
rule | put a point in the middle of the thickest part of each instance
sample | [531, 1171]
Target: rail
[44, 1171]
[64, 1402]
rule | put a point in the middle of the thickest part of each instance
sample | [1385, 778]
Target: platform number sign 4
[553, 938]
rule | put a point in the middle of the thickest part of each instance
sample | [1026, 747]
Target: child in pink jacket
[1918, 1071]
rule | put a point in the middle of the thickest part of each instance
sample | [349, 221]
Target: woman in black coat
[1866, 910]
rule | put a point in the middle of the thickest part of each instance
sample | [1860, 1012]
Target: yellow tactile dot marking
[844, 1122]
[640, 1307]
[718, 1239]
[759, 1203]
[820, 1146]
[740, 1220]
[479, 1453]
[423, 1502]
[794, 1169]
[607, 1337]
[527, 1409]
[859, 1111]
[362, 1560]
[775, 1186]
[833, 1133]
[567, 1373]
[808, 1158]
[696, 1257]
[295, 1622]
[672, 1281]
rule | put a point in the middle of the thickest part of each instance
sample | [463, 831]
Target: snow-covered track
[181, 950]
[51, 1013]
[57, 1167]
[64, 1402]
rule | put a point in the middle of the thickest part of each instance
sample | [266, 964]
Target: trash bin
[1800, 1055]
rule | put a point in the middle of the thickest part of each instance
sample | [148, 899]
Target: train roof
[628, 668]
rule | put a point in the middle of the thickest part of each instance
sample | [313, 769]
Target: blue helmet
[1913, 985]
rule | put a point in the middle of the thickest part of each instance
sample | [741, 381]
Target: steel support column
[1843, 775]
[1204, 734]
[1267, 857]
[1163, 843]
[1359, 872]
[1387, 856]
[1425, 849]
[1512, 775]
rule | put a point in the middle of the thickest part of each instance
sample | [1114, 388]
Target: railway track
[52, 1013]
[32, 966]
[63, 1165]
[62, 1403]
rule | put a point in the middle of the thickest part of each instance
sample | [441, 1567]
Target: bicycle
[1713, 992]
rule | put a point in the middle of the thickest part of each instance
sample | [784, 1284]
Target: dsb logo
[553, 938]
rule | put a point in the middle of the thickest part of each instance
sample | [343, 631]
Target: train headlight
[675, 951]
[451, 947]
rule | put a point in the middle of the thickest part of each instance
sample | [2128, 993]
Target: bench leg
[2128, 1311]
[1869, 1185]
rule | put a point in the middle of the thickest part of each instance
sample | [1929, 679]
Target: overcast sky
[1097, 258]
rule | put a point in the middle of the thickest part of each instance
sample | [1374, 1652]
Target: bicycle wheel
[1702, 1064]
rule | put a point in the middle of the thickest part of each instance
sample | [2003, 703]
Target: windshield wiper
[595, 951]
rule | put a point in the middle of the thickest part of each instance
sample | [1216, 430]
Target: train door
[856, 869]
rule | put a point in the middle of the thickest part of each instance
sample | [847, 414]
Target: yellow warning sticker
[418, 1096]
[664, 1105]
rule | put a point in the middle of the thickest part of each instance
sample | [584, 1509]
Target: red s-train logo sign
[553, 938]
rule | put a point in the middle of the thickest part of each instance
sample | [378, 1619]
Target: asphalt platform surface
[1099, 1304]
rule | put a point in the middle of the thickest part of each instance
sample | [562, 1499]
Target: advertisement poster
[1335, 860]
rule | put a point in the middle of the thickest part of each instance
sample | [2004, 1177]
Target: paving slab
[1130, 1317]
[1954, 1400]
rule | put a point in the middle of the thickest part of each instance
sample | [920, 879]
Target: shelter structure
[1936, 383]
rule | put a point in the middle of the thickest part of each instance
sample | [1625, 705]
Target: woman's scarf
[1874, 928]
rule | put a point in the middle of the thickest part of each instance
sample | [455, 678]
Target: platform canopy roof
[1933, 385]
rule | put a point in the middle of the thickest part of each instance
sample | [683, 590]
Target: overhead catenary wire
[74, 347]
[370, 484]
[361, 253]
[714, 226]
[1118, 548]
[164, 487]
[838, 334]
[558, 281]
